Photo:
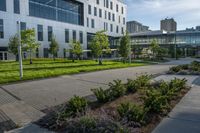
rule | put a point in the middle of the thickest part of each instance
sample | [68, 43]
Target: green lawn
[43, 68]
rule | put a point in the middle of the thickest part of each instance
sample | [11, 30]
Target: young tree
[154, 47]
[53, 47]
[75, 49]
[99, 44]
[13, 45]
[29, 42]
[125, 48]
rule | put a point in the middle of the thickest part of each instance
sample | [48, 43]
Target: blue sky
[150, 12]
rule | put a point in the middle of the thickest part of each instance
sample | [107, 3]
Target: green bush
[154, 101]
[87, 122]
[77, 105]
[175, 69]
[117, 89]
[166, 90]
[102, 96]
[178, 84]
[131, 86]
[132, 112]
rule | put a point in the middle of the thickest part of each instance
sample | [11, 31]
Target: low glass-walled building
[187, 42]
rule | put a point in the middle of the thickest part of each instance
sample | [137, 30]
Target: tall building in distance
[135, 27]
[67, 20]
[168, 25]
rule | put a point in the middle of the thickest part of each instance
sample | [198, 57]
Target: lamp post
[20, 51]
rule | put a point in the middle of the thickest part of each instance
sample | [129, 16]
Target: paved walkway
[185, 117]
[36, 96]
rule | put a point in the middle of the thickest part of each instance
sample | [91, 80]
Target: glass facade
[16, 4]
[68, 11]
[2, 5]
[1, 29]
[40, 32]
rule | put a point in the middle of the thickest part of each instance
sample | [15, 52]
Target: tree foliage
[29, 42]
[154, 46]
[13, 45]
[76, 49]
[53, 47]
[100, 44]
[125, 48]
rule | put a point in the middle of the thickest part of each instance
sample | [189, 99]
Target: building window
[2, 5]
[105, 14]
[119, 19]
[105, 26]
[104, 3]
[113, 17]
[111, 28]
[107, 4]
[40, 32]
[100, 13]
[22, 26]
[50, 33]
[66, 35]
[46, 52]
[16, 6]
[122, 30]
[117, 29]
[117, 7]
[97, 2]
[124, 21]
[122, 10]
[88, 22]
[81, 37]
[95, 11]
[1, 29]
[93, 23]
[109, 16]
[74, 35]
[69, 11]
[89, 9]
[111, 5]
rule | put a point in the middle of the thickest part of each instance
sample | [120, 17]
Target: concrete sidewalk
[185, 117]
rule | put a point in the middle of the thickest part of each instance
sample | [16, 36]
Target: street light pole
[20, 50]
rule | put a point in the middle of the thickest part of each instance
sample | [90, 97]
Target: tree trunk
[54, 57]
[100, 60]
[30, 58]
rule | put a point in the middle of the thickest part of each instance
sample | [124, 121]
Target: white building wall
[10, 27]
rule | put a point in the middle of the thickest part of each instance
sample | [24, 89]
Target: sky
[150, 12]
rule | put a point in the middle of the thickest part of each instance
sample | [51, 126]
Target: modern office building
[65, 19]
[168, 24]
[186, 41]
[134, 27]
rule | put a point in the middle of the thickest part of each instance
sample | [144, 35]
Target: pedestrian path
[185, 117]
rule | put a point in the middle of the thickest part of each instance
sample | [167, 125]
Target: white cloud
[186, 12]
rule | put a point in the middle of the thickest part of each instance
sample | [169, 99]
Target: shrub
[166, 90]
[143, 81]
[76, 105]
[154, 101]
[132, 112]
[178, 84]
[102, 96]
[175, 69]
[131, 86]
[89, 124]
[117, 89]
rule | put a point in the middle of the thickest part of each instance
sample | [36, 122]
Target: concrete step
[21, 113]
